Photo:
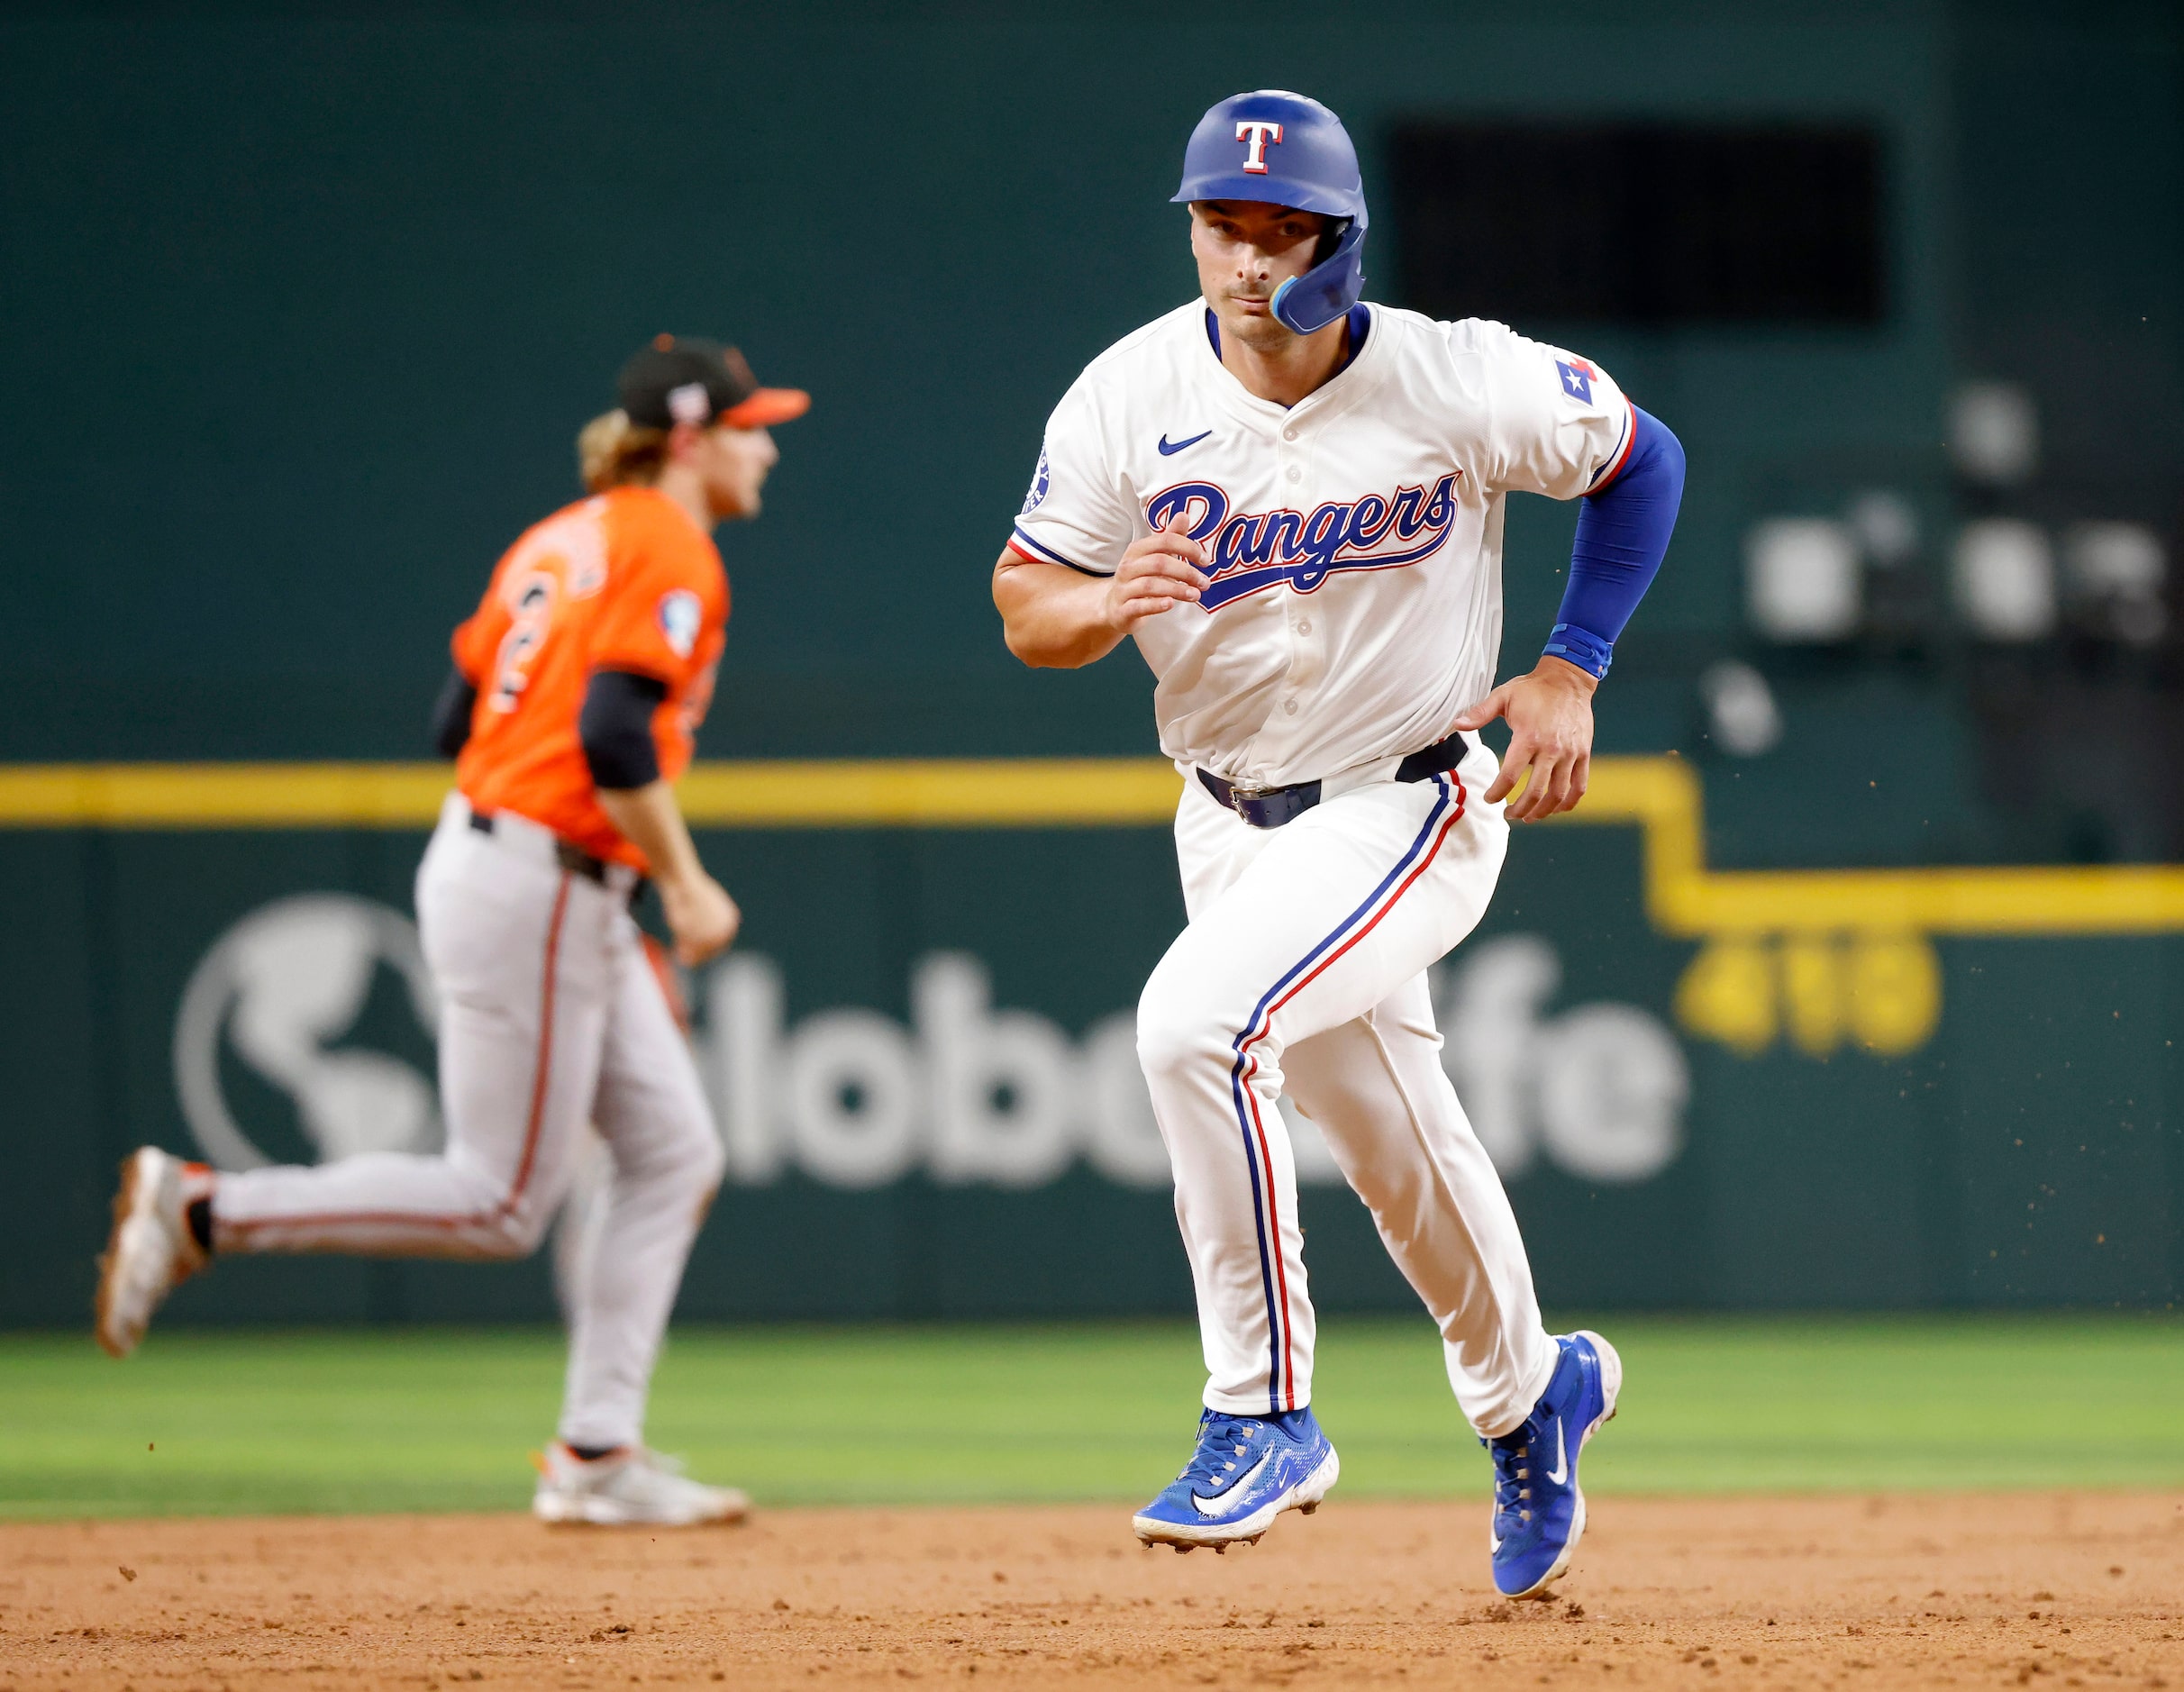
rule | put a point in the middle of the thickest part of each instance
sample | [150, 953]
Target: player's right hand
[1167, 567]
[701, 917]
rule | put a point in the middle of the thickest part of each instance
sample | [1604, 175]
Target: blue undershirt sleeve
[1623, 534]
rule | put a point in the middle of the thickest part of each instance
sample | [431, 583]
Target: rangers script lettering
[1255, 551]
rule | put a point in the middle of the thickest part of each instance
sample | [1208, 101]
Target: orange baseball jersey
[623, 581]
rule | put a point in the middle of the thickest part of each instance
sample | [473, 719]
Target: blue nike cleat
[1539, 1512]
[1246, 1471]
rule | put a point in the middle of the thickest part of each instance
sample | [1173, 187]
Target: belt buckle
[1245, 801]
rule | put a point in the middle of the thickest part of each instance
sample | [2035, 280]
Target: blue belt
[1270, 807]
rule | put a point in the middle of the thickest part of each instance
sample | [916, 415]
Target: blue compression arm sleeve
[1623, 533]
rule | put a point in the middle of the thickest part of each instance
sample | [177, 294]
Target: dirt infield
[2050, 1589]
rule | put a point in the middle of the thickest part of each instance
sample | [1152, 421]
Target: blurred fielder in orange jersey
[579, 685]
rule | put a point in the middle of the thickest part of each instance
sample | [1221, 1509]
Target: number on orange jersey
[531, 614]
[570, 553]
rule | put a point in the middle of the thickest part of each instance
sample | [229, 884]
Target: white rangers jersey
[1356, 602]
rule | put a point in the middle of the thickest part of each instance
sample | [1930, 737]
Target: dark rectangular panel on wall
[1643, 223]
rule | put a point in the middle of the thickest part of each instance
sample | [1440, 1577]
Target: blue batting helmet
[1287, 150]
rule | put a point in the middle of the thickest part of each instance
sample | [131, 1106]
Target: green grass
[438, 1419]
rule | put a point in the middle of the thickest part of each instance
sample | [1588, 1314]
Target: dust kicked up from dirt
[2053, 1590]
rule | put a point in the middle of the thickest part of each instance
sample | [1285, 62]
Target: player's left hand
[700, 914]
[1551, 734]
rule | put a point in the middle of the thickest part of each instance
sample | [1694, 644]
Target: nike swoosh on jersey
[1169, 448]
[1217, 1506]
[1560, 1474]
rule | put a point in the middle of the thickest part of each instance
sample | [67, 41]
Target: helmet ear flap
[1307, 303]
[1331, 237]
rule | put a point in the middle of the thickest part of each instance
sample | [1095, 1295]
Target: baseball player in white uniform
[1293, 502]
[577, 688]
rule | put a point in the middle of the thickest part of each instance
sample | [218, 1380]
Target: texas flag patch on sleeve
[1576, 378]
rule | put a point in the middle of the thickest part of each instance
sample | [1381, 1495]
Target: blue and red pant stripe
[1446, 813]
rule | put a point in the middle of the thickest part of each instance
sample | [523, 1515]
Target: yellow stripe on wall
[908, 793]
[221, 796]
[1662, 795]
[933, 793]
[1683, 897]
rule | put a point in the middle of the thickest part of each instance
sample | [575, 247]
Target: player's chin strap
[1307, 303]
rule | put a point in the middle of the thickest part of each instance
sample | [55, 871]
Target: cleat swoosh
[1219, 1506]
[1558, 1475]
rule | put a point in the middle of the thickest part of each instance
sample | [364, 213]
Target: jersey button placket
[1304, 662]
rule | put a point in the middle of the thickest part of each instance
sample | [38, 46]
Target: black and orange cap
[677, 379]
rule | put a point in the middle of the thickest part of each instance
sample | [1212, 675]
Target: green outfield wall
[355, 277]
[306, 302]
[1703, 1088]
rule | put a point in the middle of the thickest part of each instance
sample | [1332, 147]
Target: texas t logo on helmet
[1295, 153]
[1257, 133]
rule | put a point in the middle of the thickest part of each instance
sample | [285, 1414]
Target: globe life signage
[964, 1091]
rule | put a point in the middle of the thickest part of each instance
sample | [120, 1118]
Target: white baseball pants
[550, 1017]
[1304, 970]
